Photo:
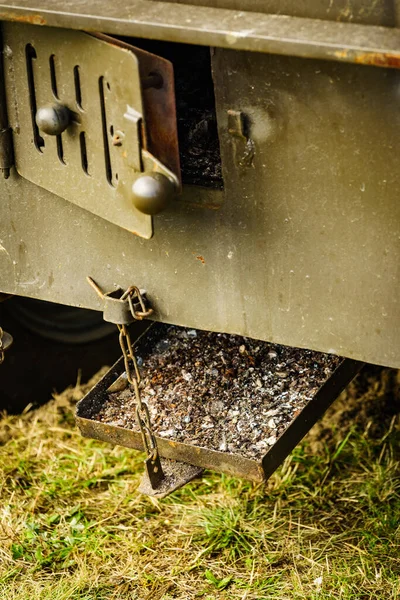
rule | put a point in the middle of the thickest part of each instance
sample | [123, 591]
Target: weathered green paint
[378, 12]
[240, 29]
[303, 246]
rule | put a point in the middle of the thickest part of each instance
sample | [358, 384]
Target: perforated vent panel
[95, 161]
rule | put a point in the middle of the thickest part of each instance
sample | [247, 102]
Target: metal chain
[129, 295]
[133, 376]
[139, 311]
[1, 346]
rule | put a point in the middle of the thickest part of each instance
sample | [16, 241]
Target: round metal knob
[152, 193]
[53, 119]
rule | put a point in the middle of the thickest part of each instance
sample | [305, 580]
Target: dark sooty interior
[219, 391]
[196, 114]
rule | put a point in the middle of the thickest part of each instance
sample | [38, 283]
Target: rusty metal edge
[239, 30]
[194, 455]
[310, 414]
[160, 132]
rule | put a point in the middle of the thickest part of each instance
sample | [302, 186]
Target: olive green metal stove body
[301, 246]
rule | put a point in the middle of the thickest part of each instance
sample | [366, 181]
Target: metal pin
[96, 288]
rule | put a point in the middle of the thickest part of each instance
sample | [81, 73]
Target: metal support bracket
[176, 475]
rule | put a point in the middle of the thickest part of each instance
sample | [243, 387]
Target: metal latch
[122, 308]
[93, 121]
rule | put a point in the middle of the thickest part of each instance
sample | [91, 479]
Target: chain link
[133, 373]
[133, 376]
[134, 292]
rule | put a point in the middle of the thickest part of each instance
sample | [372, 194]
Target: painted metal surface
[238, 29]
[303, 246]
[319, 183]
[98, 157]
[378, 12]
[305, 249]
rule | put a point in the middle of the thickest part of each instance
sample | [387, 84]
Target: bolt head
[53, 119]
[151, 193]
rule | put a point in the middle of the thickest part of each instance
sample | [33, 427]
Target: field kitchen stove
[241, 166]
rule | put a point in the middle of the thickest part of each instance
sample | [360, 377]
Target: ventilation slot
[60, 149]
[107, 159]
[30, 56]
[78, 89]
[53, 78]
[84, 158]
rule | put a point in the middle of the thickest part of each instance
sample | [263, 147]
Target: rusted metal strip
[239, 30]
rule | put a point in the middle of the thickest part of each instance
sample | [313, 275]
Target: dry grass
[327, 524]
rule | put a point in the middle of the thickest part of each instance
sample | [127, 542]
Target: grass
[325, 526]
